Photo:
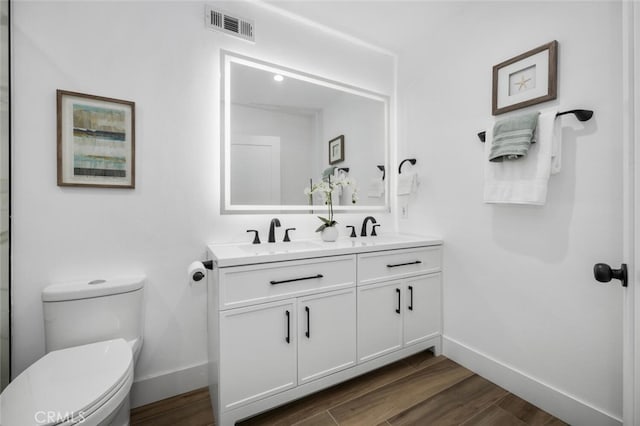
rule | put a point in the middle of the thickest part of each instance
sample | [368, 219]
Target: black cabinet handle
[296, 279]
[308, 333]
[398, 308]
[404, 264]
[411, 298]
[288, 338]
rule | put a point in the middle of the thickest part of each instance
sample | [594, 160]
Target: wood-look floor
[419, 390]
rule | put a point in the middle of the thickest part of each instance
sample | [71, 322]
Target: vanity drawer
[390, 264]
[253, 284]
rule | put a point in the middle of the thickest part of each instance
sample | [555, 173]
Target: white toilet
[93, 333]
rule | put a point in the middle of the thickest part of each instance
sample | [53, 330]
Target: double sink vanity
[287, 319]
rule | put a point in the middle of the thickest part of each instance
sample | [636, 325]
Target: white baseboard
[154, 388]
[556, 402]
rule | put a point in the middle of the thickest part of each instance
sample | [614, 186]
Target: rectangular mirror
[283, 128]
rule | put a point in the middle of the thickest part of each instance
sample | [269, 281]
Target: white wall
[519, 293]
[297, 141]
[364, 141]
[159, 55]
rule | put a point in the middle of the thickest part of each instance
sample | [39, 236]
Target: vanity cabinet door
[379, 319]
[326, 334]
[257, 352]
[422, 308]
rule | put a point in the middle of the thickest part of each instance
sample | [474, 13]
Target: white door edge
[634, 293]
[630, 207]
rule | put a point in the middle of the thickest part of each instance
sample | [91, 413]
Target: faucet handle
[286, 234]
[373, 230]
[256, 239]
[353, 231]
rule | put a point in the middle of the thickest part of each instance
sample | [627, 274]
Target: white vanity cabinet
[395, 314]
[326, 334]
[282, 324]
[422, 309]
[379, 320]
[399, 299]
[271, 347]
[280, 329]
[257, 352]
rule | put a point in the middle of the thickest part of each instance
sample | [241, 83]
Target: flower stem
[330, 200]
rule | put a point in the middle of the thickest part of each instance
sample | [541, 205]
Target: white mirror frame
[226, 207]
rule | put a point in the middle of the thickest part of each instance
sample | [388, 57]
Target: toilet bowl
[93, 334]
[85, 385]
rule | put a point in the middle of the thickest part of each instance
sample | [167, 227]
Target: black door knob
[603, 273]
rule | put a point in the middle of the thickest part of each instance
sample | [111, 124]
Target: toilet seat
[86, 383]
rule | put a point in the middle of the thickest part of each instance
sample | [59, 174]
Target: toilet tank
[77, 313]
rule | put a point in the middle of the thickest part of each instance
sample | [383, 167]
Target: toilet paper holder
[208, 264]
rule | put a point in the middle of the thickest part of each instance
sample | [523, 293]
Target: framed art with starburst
[527, 79]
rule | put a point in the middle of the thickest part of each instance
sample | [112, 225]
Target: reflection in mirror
[283, 128]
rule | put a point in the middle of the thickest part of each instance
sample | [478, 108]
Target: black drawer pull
[411, 298]
[404, 264]
[398, 308]
[308, 332]
[296, 279]
[288, 338]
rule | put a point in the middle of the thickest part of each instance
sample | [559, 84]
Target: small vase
[330, 233]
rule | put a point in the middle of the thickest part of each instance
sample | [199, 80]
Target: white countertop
[235, 254]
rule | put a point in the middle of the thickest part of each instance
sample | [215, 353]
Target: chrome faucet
[363, 232]
[275, 223]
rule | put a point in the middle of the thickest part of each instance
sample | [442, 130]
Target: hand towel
[346, 198]
[512, 136]
[407, 183]
[376, 188]
[556, 153]
[522, 181]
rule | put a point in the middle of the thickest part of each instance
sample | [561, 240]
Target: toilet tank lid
[92, 288]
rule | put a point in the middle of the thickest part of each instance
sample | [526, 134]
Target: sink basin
[381, 239]
[273, 248]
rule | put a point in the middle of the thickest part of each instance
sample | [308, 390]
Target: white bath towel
[407, 183]
[524, 181]
[376, 188]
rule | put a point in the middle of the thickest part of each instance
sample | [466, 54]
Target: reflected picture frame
[336, 150]
[95, 141]
[527, 79]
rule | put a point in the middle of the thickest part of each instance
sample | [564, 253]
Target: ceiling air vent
[230, 24]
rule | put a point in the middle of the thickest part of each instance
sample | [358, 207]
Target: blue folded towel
[512, 136]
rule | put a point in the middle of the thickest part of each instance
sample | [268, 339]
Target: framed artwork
[527, 79]
[336, 150]
[96, 141]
